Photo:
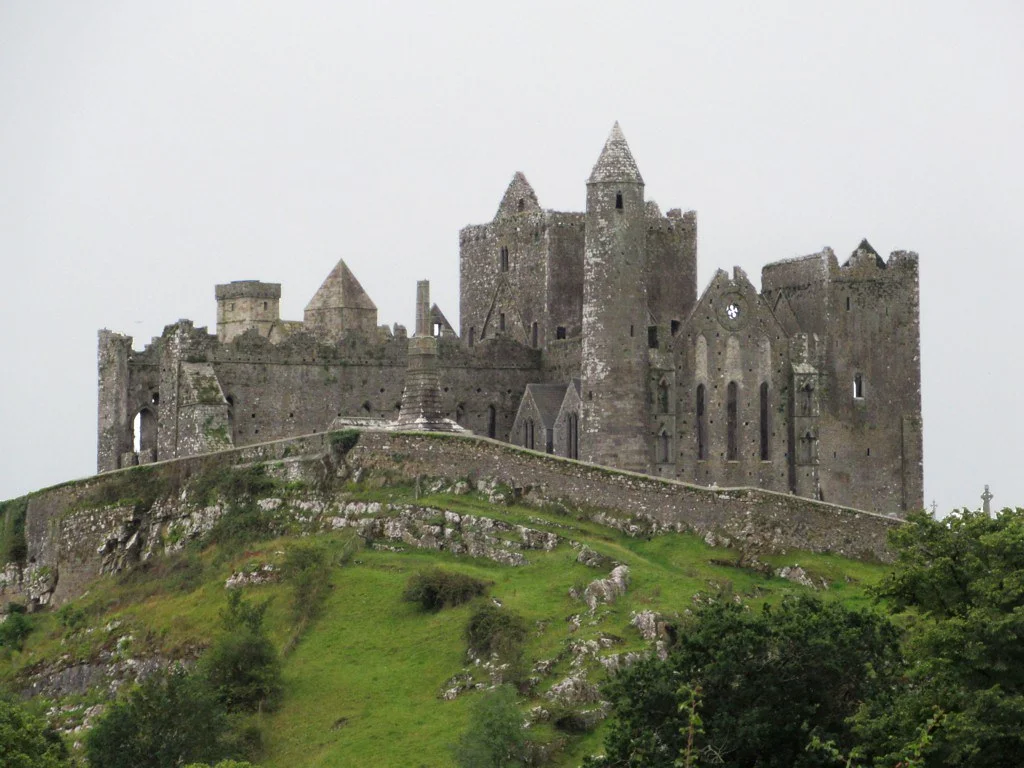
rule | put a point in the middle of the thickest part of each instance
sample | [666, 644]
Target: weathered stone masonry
[808, 386]
[72, 539]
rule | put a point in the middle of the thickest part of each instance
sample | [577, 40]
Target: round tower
[615, 359]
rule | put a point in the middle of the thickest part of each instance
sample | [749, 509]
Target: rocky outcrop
[607, 590]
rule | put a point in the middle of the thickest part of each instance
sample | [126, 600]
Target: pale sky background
[149, 150]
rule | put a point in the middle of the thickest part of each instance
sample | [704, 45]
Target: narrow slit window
[504, 258]
[765, 428]
[472, 333]
[663, 397]
[847, 303]
[858, 386]
[732, 419]
[702, 423]
[534, 336]
[652, 337]
[675, 327]
[501, 321]
[618, 200]
[492, 421]
[663, 448]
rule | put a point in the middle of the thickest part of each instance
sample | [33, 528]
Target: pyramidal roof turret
[616, 162]
[341, 290]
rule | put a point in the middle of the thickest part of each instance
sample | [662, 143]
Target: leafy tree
[222, 764]
[494, 737]
[26, 741]
[242, 666]
[768, 682]
[168, 720]
[961, 580]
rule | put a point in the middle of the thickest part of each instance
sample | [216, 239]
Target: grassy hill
[363, 681]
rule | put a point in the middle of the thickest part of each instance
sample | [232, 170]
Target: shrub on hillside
[169, 720]
[494, 737]
[14, 629]
[26, 741]
[496, 631]
[242, 666]
[435, 589]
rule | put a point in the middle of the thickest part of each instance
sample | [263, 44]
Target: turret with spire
[614, 355]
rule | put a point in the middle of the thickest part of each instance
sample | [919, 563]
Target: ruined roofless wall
[67, 539]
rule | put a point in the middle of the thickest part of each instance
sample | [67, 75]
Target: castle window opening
[534, 336]
[501, 321]
[492, 421]
[858, 386]
[137, 432]
[618, 200]
[437, 329]
[155, 399]
[702, 423]
[808, 448]
[522, 204]
[549, 441]
[663, 399]
[765, 428]
[574, 436]
[631, 331]
[472, 333]
[560, 332]
[264, 305]
[663, 448]
[807, 399]
[731, 412]
[504, 258]
[847, 303]
[652, 337]
[675, 327]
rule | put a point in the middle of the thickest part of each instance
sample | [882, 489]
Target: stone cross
[935, 508]
[986, 497]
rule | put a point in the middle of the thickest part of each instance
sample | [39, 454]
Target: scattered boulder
[574, 691]
[607, 590]
[798, 575]
[592, 559]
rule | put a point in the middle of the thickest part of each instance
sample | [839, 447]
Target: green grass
[363, 685]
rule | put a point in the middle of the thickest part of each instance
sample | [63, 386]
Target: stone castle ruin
[581, 334]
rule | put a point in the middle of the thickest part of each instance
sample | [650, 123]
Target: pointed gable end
[616, 162]
[518, 198]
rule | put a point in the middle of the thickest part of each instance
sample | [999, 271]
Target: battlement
[247, 289]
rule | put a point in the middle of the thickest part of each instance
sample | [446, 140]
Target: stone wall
[79, 530]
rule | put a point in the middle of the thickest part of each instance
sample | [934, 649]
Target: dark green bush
[14, 630]
[435, 589]
[169, 720]
[343, 441]
[496, 631]
[27, 741]
[13, 545]
[242, 667]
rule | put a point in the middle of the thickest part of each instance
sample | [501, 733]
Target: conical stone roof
[616, 162]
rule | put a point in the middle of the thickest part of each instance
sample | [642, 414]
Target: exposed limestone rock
[573, 691]
[798, 575]
[592, 559]
[647, 623]
[265, 574]
[606, 590]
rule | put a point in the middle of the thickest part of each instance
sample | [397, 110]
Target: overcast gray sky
[149, 150]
